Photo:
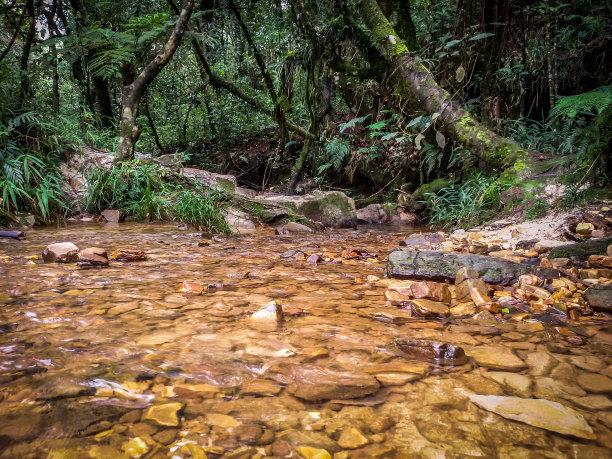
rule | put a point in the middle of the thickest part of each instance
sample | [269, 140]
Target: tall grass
[473, 202]
[148, 191]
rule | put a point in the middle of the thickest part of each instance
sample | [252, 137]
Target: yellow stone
[105, 452]
[221, 420]
[164, 415]
[352, 438]
[309, 452]
[136, 447]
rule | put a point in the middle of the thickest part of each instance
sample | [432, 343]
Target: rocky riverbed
[298, 344]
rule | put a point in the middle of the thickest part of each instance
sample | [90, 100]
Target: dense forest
[427, 102]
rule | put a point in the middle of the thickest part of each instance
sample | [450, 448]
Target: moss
[434, 187]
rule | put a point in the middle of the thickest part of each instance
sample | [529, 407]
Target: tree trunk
[105, 104]
[56, 94]
[26, 90]
[414, 83]
[152, 125]
[398, 14]
[129, 131]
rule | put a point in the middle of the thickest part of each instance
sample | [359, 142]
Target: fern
[350, 124]
[592, 102]
[338, 152]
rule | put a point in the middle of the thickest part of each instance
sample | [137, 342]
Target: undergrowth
[464, 206]
[149, 191]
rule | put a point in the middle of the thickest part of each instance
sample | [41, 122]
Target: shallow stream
[85, 353]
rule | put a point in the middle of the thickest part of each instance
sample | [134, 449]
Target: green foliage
[338, 151]
[149, 191]
[589, 103]
[474, 201]
[29, 181]
[537, 209]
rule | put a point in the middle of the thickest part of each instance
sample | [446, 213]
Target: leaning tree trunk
[413, 82]
[130, 98]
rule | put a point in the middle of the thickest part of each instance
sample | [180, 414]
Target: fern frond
[592, 102]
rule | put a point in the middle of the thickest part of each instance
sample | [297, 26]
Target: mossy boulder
[331, 208]
[417, 200]
[440, 266]
[226, 183]
[581, 250]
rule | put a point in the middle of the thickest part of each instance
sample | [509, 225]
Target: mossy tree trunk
[129, 131]
[415, 85]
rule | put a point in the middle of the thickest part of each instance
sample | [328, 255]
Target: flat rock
[264, 387]
[61, 252]
[593, 402]
[434, 265]
[293, 227]
[538, 413]
[164, 415]
[520, 384]
[592, 382]
[315, 383]
[496, 358]
[599, 297]
[219, 182]
[238, 220]
[93, 256]
[581, 250]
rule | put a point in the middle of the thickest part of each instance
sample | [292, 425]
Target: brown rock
[600, 261]
[352, 438]
[598, 234]
[264, 387]
[432, 351]
[314, 383]
[592, 382]
[431, 291]
[496, 358]
[429, 308]
[61, 252]
[585, 229]
[128, 255]
[597, 221]
[93, 256]
[191, 287]
[472, 288]
[113, 216]
[609, 250]
[165, 437]
[465, 273]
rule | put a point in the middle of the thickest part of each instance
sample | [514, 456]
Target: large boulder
[435, 265]
[219, 182]
[331, 208]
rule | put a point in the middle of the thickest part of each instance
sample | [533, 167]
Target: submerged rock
[331, 208]
[496, 357]
[164, 415]
[61, 252]
[315, 383]
[538, 413]
[441, 266]
[432, 351]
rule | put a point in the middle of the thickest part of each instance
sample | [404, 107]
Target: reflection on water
[115, 363]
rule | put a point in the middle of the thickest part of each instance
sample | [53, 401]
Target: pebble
[164, 415]
[352, 438]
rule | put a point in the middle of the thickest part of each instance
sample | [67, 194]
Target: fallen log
[12, 235]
